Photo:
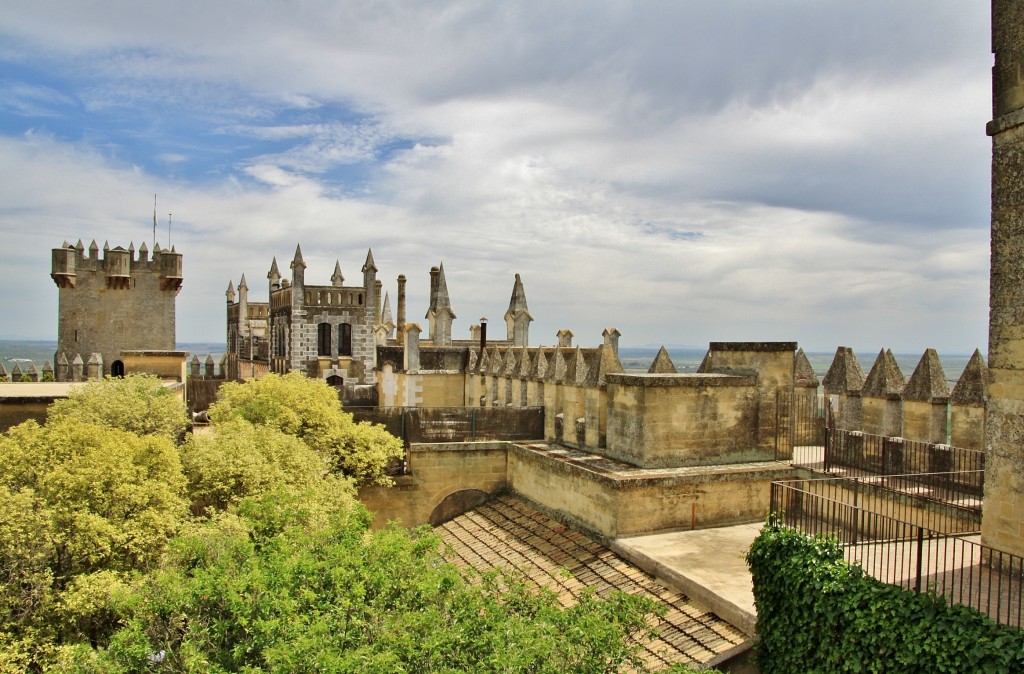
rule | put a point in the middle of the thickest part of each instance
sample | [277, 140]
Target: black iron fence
[920, 544]
[935, 465]
[456, 424]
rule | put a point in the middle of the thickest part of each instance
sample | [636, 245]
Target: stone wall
[1003, 521]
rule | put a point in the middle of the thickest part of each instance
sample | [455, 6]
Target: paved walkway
[706, 564]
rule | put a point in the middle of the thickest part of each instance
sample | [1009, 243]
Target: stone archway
[456, 503]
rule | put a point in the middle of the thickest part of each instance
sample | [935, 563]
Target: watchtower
[114, 303]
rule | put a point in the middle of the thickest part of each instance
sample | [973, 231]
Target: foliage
[817, 613]
[238, 459]
[309, 409]
[47, 376]
[273, 590]
[82, 509]
[140, 404]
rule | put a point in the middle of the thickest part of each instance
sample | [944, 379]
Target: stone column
[1004, 427]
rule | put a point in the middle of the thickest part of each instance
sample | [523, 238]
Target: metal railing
[455, 424]
[951, 468]
[907, 539]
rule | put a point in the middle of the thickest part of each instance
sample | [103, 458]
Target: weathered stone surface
[885, 380]
[928, 382]
[662, 363]
[972, 387]
[803, 373]
[845, 375]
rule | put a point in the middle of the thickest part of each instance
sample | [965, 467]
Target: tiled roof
[507, 532]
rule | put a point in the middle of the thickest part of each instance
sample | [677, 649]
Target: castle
[116, 313]
[333, 332]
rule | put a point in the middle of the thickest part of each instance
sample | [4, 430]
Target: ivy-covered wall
[817, 613]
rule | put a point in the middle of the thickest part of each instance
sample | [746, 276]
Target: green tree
[238, 459]
[309, 409]
[82, 509]
[137, 403]
[279, 589]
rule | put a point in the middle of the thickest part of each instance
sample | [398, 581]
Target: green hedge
[818, 613]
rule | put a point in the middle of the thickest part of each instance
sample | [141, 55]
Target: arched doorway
[117, 369]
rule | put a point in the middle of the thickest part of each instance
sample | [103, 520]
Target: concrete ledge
[708, 565]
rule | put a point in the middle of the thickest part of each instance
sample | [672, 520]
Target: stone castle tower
[114, 303]
[1004, 506]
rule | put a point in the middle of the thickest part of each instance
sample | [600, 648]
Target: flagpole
[154, 221]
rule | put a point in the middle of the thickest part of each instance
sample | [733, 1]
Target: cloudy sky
[685, 171]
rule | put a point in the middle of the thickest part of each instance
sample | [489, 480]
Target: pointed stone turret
[3, 372]
[63, 368]
[926, 401]
[48, 372]
[94, 368]
[32, 374]
[230, 294]
[967, 405]
[575, 369]
[195, 367]
[803, 373]
[885, 378]
[143, 252]
[845, 375]
[106, 247]
[242, 285]
[80, 247]
[928, 382]
[518, 317]
[77, 368]
[662, 363]
[440, 313]
[337, 279]
[370, 284]
[94, 251]
[386, 320]
[564, 337]
[881, 401]
[297, 261]
[274, 276]
[16, 372]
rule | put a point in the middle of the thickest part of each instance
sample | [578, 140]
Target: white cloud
[684, 171]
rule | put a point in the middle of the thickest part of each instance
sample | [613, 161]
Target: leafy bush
[140, 404]
[275, 589]
[309, 410]
[817, 613]
[83, 509]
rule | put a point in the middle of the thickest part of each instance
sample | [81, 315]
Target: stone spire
[662, 363]
[337, 280]
[440, 313]
[928, 383]
[242, 285]
[274, 275]
[885, 379]
[298, 270]
[971, 389]
[386, 319]
[845, 375]
[803, 373]
[230, 294]
[370, 284]
[518, 317]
